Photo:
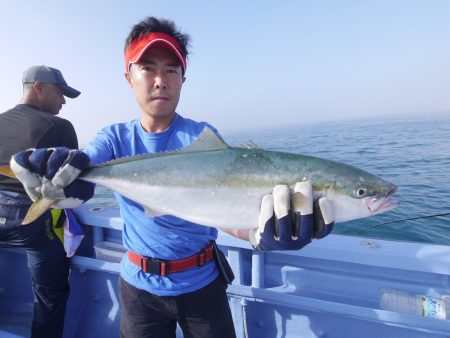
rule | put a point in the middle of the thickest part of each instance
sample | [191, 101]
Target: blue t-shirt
[164, 237]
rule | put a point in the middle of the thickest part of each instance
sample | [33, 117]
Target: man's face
[156, 82]
[51, 98]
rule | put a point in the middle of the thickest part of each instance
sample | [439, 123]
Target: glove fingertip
[304, 187]
[327, 210]
[56, 160]
[21, 159]
[302, 198]
[24, 174]
[38, 161]
[254, 237]
[79, 189]
[266, 211]
[281, 200]
[78, 159]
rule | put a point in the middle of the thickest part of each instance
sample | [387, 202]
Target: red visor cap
[137, 48]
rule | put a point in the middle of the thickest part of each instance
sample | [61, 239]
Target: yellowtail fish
[213, 184]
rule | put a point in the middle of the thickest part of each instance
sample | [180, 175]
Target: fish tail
[39, 206]
[5, 170]
[36, 210]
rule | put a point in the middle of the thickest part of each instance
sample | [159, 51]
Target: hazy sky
[254, 64]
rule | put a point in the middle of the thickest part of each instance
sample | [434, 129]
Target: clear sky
[254, 64]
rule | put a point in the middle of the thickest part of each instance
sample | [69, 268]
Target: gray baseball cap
[50, 75]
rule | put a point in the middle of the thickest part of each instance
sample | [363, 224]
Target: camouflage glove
[290, 222]
[51, 173]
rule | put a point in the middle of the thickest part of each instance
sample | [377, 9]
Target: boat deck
[328, 289]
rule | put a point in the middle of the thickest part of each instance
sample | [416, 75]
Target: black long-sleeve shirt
[26, 126]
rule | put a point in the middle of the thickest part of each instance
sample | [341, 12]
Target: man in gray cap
[45, 88]
[33, 124]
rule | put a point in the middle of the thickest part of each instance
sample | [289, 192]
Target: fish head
[359, 194]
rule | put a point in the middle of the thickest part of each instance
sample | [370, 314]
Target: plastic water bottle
[420, 305]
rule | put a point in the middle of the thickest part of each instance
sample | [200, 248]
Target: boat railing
[331, 288]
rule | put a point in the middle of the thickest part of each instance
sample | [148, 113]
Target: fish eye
[360, 192]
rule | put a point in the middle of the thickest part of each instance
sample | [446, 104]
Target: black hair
[152, 24]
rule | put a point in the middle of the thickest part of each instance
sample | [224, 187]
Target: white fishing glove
[51, 173]
[289, 222]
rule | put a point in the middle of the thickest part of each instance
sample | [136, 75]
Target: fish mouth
[384, 202]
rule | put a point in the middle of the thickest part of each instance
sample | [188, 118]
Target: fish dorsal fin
[206, 141]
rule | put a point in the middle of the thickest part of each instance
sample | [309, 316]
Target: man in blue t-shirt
[187, 287]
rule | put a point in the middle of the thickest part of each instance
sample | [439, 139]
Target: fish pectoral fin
[36, 210]
[6, 171]
[152, 213]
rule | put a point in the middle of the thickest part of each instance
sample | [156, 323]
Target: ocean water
[412, 153]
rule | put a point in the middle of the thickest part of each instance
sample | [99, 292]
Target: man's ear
[184, 79]
[128, 78]
[37, 87]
